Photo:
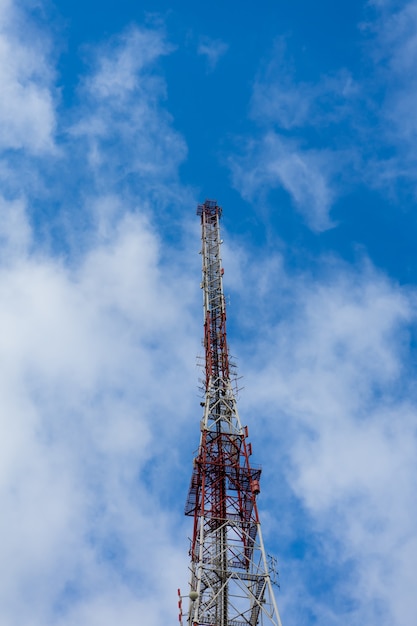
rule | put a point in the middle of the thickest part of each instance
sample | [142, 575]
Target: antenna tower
[232, 577]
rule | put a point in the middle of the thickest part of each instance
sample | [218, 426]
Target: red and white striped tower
[232, 577]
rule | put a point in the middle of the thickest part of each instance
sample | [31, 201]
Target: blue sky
[116, 119]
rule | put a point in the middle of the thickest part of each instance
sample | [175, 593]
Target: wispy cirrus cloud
[393, 38]
[280, 156]
[283, 102]
[305, 174]
[367, 124]
[122, 104]
[213, 50]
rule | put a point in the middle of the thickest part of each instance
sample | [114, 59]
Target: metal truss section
[231, 582]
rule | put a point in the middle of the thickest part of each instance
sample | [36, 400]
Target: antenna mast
[232, 577]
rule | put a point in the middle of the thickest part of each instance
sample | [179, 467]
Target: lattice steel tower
[232, 577]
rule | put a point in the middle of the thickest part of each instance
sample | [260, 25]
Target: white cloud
[288, 106]
[85, 354]
[305, 168]
[333, 383]
[396, 55]
[350, 128]
[306, 175]
[27, 115]
[213, 50]
[121, 105]
[364, 127]
[279, 100]
[97, 354]
[15, 233]
[120, 63]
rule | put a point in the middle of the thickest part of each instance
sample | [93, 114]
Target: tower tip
[210, 207]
